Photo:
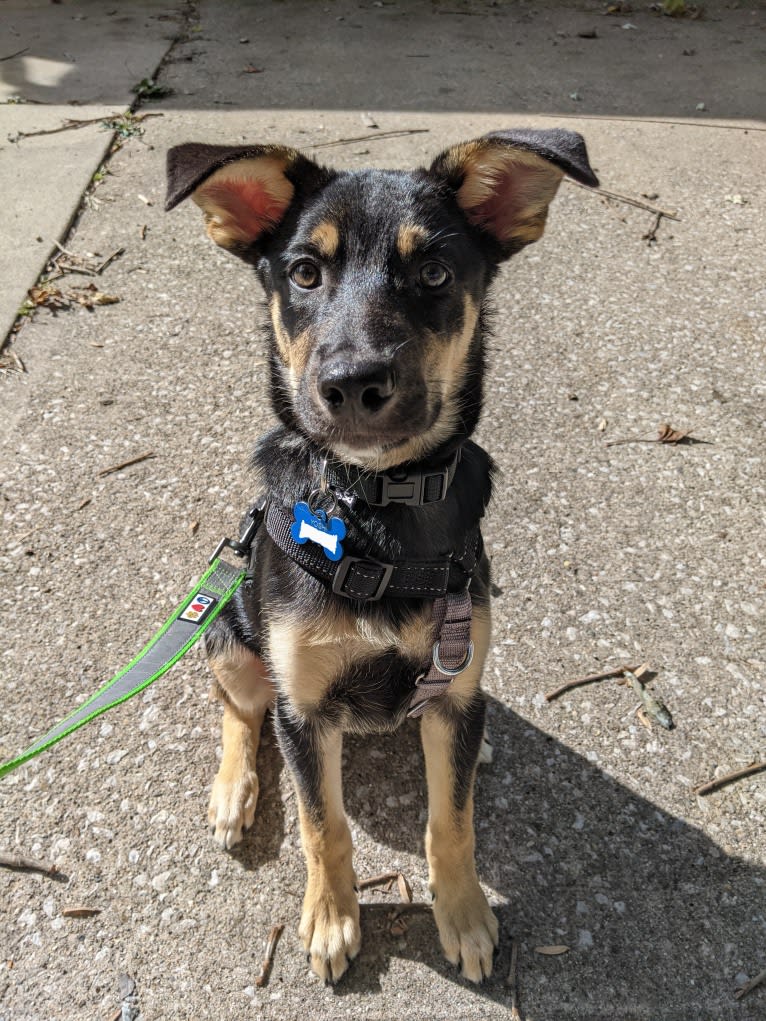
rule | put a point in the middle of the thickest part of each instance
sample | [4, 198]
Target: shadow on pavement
[509, 57]
[652, 909]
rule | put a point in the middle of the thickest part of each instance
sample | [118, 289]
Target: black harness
[362, 577]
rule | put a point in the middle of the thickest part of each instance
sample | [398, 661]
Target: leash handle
[181, 630]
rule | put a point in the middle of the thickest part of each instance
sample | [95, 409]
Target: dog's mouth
[382, 445]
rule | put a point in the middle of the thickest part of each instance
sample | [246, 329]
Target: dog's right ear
[243, 191]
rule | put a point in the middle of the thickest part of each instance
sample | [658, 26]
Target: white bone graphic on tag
[330, 542]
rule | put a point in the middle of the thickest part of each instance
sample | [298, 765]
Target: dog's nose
[355, 388]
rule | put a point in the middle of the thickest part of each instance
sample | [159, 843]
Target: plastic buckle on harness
[412, 488]
[242, 546]
[339, 579]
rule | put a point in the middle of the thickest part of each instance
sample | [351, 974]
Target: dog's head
[376, 279]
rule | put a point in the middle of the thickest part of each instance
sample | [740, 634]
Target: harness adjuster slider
[366, 564]
[242, 546]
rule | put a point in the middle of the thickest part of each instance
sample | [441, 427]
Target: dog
[367, 598]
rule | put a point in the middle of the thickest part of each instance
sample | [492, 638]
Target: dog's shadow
[649, 907]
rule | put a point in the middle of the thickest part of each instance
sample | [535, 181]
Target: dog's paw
[232, 807]
[468, 929]
[330, 933]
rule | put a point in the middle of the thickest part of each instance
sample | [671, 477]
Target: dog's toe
[331, 934]
[468, 931]
[232, 808]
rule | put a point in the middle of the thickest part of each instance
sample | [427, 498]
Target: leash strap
[452, 651]
[176, 636]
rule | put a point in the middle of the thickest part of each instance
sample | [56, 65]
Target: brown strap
[452, 652]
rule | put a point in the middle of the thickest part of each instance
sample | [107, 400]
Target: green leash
[174, 639]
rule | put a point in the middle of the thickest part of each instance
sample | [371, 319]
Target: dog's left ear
[243, 191]
[505, 181]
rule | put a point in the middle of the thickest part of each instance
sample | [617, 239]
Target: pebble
[590, 617]
[160, 881]
[584, 939]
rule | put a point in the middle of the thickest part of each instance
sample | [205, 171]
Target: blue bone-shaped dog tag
[316, 527]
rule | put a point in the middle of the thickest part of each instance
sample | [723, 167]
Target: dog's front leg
[329, 924]
[468, 930]
[244, 687]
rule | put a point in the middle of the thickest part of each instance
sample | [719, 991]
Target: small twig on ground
[109, 260]
[126, 464]
[721, 781]
[626, 198]
[10, 361]
[21, 864]
[16, 54]
[65, 251]
[71, 124]
[268, 960]
[381, 880]
[413, 908]
[608, 675]
[750, 985]
[69, 262]
[68, 125]
[651, 234]
[80, 912]
[369, 138]
[512, 981]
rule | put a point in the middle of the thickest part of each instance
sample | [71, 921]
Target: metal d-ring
[447, 671]
[316, 495]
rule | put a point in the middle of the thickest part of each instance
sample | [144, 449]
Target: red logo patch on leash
[198, 609]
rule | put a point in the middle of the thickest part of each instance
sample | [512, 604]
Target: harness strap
[367, 579]
[452, 651]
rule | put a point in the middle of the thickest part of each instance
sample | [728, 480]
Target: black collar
[413, 487]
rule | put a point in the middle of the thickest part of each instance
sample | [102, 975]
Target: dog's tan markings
[325, 238]
[280, 333]
[308, 656]
[293, 352]
[246, 691]
[409, 237]
[467, 927]
[243, 199]
[329, 926]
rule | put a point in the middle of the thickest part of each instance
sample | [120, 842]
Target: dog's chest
[362, 667]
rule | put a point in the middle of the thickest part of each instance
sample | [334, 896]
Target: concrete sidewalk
[588, 832]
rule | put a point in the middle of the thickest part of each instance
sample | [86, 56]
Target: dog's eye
[433, 275]
[306, 275]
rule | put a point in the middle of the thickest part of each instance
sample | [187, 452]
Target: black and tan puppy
[376, 283]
